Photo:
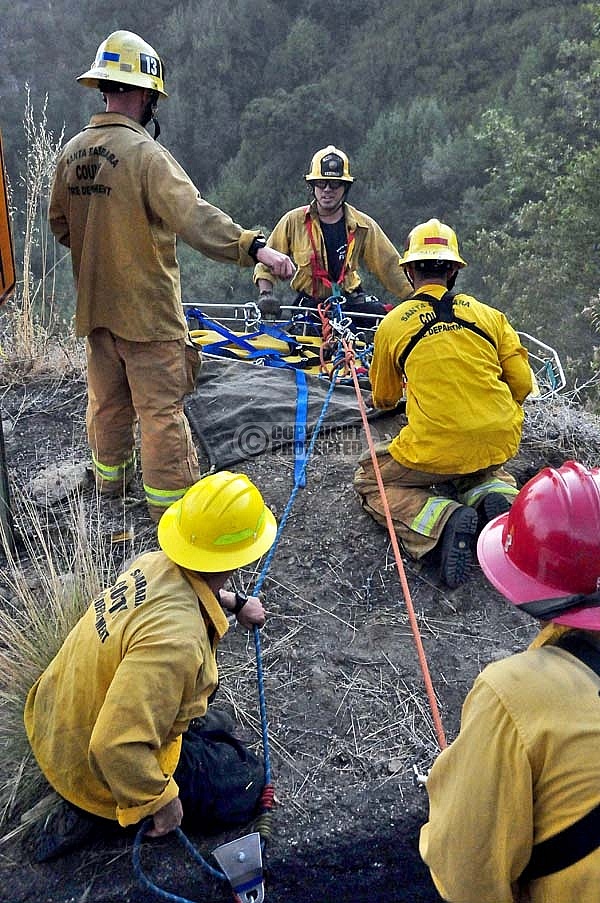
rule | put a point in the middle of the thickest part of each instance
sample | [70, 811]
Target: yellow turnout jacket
[119, 199]
[463, 392]
[105, 718]
[524, 767]
[371, 246]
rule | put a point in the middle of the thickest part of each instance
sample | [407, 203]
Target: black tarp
[239, 410]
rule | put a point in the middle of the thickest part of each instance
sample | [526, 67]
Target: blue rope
[299, 478]
[271, 553]
[149, 885]
[298, 483]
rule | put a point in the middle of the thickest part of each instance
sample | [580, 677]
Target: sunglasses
[328, 183]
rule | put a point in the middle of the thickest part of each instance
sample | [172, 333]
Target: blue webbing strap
[300, 428]
[243, 342]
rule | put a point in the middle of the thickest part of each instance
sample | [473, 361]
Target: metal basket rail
[244, 317]
[302, 321]
[545, 364]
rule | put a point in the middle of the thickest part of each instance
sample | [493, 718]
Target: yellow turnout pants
[419, 514]
[145, 382]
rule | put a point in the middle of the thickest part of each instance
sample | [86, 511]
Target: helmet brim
[93, 77]
[183, 553]
[347, 179]
[435, 255]
[519, 587]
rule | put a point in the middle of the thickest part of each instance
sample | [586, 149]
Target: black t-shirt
[336, 245]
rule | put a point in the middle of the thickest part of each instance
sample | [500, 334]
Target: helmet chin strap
[341, 203]
[149, 115]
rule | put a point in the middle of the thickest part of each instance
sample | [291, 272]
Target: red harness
[319, 273]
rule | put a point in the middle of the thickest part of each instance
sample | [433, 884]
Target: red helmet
[548, 544]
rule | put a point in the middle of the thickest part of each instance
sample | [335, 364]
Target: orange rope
[327, 348]
[437, 721]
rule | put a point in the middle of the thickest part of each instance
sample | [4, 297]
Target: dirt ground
[348, 714]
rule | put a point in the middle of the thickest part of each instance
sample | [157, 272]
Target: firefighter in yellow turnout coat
[119, 200]
[466, 375]
[370, 245]
[328, 240]
[106, 718]
[514, 801]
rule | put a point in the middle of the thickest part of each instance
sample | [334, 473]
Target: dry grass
[47, 585]
[30, 323]
[559, 429]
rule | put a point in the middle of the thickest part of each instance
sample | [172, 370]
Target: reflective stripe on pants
[418, 513]
[143, 382]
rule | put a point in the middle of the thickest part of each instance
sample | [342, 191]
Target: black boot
[458, 541]
[65, 828]
[492, 505]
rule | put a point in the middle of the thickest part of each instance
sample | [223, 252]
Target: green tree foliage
[391, 161]
[279, 135]
[483, 114]
[214, 57]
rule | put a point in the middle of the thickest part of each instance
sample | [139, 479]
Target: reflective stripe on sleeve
[474, 495]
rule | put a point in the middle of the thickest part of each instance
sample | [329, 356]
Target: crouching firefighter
[112, 719]
[466, 375]
[514, 801]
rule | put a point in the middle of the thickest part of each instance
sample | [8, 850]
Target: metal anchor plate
[241, 861]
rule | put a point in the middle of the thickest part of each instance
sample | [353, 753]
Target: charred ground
[348, 713]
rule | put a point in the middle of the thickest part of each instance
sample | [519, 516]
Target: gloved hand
[269, 306]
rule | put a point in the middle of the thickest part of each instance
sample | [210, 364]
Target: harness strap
[583, 837]
[300, 429]
[319, 273]
[547, 609]
[268, 356]
[443, 312]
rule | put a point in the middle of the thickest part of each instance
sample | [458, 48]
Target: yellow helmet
[220, 524]
[433, 241]
[329, 163]
[125, 58]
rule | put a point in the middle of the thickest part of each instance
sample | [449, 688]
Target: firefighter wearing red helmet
[119, 201]
[465, 375]
[514, 802]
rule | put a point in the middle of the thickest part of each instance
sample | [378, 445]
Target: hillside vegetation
[484, 114]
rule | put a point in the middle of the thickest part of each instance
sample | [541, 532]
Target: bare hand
[279, 264]
[166, 819]
[252, 614]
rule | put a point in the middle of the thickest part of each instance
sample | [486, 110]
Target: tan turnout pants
[145, 382]
[419, 514]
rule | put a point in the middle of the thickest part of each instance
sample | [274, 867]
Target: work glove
[269, 306]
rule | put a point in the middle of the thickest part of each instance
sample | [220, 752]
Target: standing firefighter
[119, 201]
[327, 240]
[466, 375]
[514, 802]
